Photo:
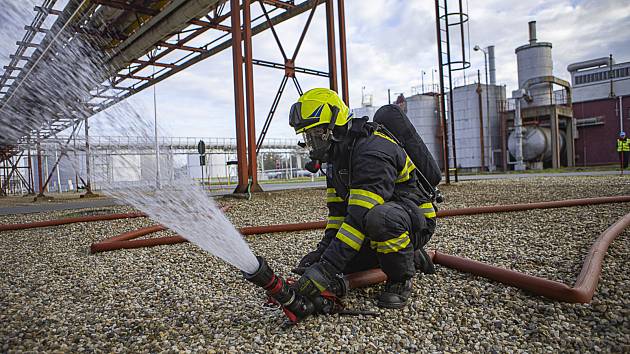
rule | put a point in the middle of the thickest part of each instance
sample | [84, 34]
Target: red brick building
[601, 99]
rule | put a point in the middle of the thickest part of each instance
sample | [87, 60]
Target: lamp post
[485, 61]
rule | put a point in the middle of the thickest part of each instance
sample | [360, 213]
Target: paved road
[105, 202]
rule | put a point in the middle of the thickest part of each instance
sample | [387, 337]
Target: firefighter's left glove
[316, 278]
[308, 260]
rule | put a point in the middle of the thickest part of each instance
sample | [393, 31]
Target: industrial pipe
[57, 222]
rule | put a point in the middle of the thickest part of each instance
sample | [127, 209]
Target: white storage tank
[534, 60]
[536, 144]
[423, 114]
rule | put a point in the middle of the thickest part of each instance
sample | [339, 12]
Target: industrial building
[601, 107]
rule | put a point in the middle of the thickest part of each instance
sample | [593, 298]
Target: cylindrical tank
[423, 114]
[534, 60]
[536, 143]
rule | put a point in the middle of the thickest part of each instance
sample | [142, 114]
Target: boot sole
[389, 305]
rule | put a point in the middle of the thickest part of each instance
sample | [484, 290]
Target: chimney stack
[532, 32]
[492, 66]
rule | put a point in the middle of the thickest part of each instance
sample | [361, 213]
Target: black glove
[316, 278]
[307, 261]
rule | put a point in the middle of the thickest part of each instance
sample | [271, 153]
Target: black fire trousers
[390, 242]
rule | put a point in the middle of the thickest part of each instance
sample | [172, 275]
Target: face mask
[318, 142]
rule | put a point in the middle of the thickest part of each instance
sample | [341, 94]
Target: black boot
[423, 262]
[395, 294]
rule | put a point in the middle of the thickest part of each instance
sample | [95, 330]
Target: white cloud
[389, 44]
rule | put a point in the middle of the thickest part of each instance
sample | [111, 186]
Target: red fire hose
[322, 224]
[120, 241]
[581, 292]
[56, 222]
[90, 218]
[115, 243]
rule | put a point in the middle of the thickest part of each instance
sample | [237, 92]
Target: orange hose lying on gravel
[581, 292]
[56, 222]
[120, 241]
[115, 243]
[530, 206]
[322, 224]
[90, 218]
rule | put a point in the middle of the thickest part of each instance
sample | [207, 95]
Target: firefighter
[378, 213]
[623, 148]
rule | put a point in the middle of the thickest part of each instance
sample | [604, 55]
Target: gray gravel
[54, 296]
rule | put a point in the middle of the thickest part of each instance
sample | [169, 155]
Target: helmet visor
[316, 138]
[297, 121]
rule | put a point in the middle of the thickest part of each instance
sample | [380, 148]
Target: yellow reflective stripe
[334, 222]
[428, 210]
[350, 236]
[331, 196]
[405, 174]
[319, 286]
[392, 245]
[377, 133]
[364, 198]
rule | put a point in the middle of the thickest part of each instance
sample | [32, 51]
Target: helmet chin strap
[334, 110]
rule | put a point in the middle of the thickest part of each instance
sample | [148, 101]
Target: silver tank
[536, 143]
[534, 60]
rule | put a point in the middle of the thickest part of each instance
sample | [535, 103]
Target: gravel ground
[54, 296]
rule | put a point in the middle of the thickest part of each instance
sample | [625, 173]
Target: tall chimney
[492, 66]
[532, 32]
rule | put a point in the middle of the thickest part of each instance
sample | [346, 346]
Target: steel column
[249, 91]
[239, 104]
[481, 135]
[88, 172]
[332, 54]
[39, 171]
[31, 187]
[342, 52]
[442, 107]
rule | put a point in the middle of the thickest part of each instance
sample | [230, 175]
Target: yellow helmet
[316, 107]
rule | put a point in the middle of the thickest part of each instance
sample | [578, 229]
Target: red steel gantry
[135, 36]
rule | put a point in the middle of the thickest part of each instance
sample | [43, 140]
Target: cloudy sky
[390, 44]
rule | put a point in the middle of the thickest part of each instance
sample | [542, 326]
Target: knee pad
[383, 221]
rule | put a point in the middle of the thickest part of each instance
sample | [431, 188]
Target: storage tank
[534, 60]
[467, 130]
[422, 111]
[536, 144]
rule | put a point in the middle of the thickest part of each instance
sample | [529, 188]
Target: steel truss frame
[172, 53]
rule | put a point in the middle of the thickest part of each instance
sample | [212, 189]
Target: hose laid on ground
[90, 218]
[322, 224]
[581, 292]
[530, 206]
[114, 244]
[120, 241]
[57, 222]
